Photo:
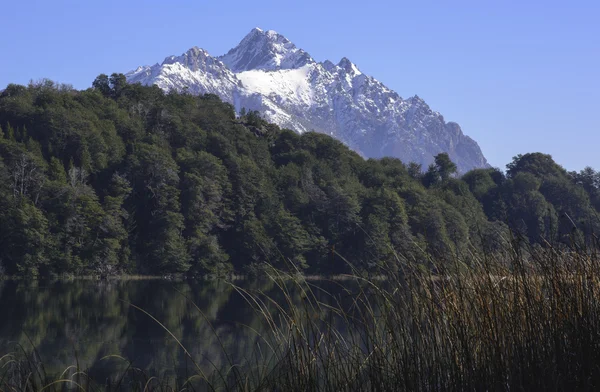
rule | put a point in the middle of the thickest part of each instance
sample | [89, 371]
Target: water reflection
[69, 322]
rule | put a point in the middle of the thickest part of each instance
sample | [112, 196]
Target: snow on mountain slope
[195, 70]
[267, 51]
[268, 73]
[292, 85]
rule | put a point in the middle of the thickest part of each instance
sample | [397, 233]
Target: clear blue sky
[518, 76]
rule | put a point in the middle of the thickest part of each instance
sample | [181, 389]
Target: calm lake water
[84, 321]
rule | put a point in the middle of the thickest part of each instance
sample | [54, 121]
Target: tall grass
[524, 319]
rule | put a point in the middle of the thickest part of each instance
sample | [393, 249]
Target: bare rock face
[268, 73]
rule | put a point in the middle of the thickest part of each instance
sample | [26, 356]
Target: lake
[91, 322]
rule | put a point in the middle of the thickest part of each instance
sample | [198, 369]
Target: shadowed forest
[124, 178]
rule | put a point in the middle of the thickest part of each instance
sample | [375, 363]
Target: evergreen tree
[10, 133]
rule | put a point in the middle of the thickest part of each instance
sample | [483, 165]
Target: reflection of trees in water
[91, 319]
[60, 319]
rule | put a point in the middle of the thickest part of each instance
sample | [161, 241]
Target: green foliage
[438, 172]
[445, 167]
[415, 170]
[125, 178]
[24, 239]
[480, 182]
[538, 164]
[102, 84]
[10, 133]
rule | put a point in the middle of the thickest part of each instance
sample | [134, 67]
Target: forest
[127, 179]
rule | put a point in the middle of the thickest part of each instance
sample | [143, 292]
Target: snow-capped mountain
[268, 73]
[265, 51]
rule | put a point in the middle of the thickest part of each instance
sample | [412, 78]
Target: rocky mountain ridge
[268, 73]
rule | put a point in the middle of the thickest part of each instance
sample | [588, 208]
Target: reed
[522, 319]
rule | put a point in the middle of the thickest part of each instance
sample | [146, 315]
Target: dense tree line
[126, 178]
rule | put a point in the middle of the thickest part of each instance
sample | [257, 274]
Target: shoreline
[181, 278]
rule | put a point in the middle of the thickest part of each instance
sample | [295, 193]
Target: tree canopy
[124, 178]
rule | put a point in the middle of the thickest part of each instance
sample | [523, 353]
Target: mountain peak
[265, 50]
[195, 59]
[268, 73]
[348, 66]
[328, 65]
